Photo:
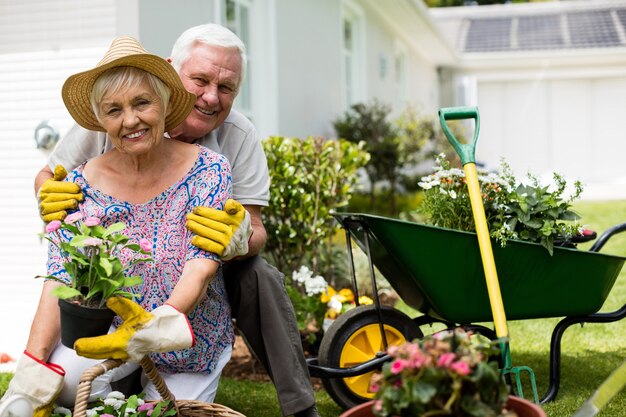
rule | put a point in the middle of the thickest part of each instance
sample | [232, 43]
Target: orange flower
[365, 300]
[346, 295]
[327, 295]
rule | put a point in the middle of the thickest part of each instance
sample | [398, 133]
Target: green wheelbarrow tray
[439, 272]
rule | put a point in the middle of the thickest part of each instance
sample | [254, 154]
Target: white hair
[120, 78]
[209, 34]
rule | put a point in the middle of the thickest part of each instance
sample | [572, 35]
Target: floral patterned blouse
[162, 221]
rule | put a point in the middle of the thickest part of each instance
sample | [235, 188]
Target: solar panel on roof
[621, 16]
[539, 32]
[592, 29]
[488, 35]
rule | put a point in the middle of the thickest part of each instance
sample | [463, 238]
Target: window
[236, 17]
[353, 67]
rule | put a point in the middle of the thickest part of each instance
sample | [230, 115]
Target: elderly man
[211, 61]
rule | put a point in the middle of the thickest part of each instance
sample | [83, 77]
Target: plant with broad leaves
[515, 209]
[95, 259]
[310, 177]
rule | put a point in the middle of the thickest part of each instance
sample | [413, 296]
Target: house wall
[42, 42]
[567, 120]
[308, 66]
[160, 22]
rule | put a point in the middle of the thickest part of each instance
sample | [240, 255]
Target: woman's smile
[137, 135]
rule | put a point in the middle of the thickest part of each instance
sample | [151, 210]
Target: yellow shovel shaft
[486, 252]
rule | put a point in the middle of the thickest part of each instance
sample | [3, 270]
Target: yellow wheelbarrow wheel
[354, 338]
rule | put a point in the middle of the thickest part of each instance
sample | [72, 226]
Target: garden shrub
[398, 147]
[310, 177]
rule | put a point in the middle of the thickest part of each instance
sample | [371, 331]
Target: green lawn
[589, 354]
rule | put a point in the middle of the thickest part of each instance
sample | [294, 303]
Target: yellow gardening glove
[57, 197]
[33, 389]
[163, 330]
[224, 232]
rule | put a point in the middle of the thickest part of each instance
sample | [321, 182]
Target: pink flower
[145, 406]
[106, 415]
[374, 388]
[445, 360]
[145, 245]
[92, 241]
[92, 221]
[397, 366]
[417, 359]
[53, 226]
[73, 218]
[460, 367]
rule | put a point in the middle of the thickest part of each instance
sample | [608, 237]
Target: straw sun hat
[126, 52]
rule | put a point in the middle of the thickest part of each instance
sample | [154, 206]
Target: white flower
[95, 411]
[334, 303]
[117, 395]
[114, 402]
[302, 274]
[129, 410]
[425, 185]
[315, 286]
[452, 194]
[62, 410]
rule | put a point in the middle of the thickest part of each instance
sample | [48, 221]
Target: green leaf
[156, 411]
[132, 281]
[51, 277]
[64, 292]
[132, 402]
[78, 241]
[106, 266]
[114, 228]
[423, 391]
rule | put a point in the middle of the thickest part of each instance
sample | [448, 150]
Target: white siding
[41, 44]
[573, 126]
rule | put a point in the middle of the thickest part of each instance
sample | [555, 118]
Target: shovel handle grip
[466, 151]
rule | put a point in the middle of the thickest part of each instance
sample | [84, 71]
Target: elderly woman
[149, 182]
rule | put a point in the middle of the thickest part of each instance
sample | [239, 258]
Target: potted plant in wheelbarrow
[449, 373]
[95, 259]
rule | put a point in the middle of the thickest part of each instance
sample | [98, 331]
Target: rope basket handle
[84, 384]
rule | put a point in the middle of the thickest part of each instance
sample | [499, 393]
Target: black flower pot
[79, 321]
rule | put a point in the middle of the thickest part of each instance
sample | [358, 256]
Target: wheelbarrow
[450, 277]
[438, 272]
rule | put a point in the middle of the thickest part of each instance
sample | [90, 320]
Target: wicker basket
[184, 408]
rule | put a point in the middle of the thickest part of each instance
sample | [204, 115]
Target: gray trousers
[265, 316]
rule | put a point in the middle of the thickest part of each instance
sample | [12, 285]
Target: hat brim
[77, 90]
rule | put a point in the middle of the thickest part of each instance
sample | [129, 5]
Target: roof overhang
[413, 24]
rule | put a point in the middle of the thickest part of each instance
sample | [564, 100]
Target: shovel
[466, 153]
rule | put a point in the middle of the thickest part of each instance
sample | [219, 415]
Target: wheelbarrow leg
[555, 345]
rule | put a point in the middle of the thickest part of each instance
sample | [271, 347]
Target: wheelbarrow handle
[466, 151]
